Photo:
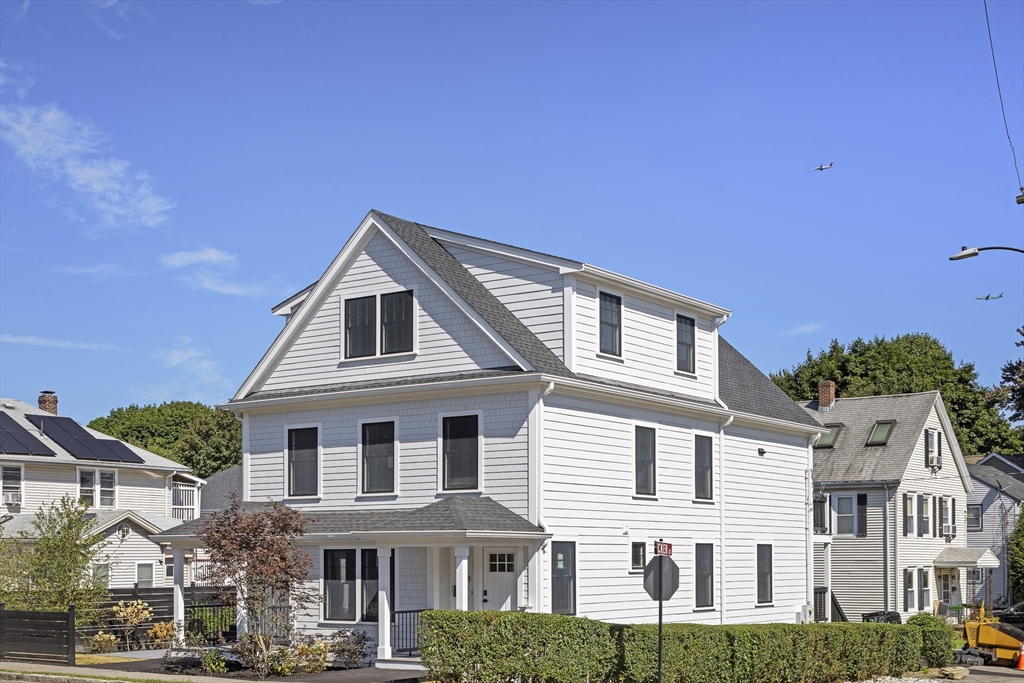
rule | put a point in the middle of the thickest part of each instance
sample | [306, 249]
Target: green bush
[496, 647]
[214, 662]
[937, 646]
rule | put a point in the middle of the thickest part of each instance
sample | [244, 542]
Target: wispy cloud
[54, 144]
[103, 13]
[13, 76]
[193, 373]
[181, 259]
[19, 12]
[32, 340]
[806, 328]
[99, 271]
[214, 283]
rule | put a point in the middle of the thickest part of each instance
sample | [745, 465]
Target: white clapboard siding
[44, 484]
[447, 340]
[857, 568]
[124, 555]
[999, 514]
[533, 293]
[143, 490]
[648, 344]
[503, 423]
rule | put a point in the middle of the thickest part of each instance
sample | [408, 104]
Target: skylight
[828, 439]
[881, 432]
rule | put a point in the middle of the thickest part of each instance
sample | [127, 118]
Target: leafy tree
[907, 364]
[50, 568]
[1012, 398]
[1015, 559]
[254, 552]
[198, 436]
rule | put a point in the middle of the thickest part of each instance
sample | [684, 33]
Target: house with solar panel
[132, 494]
[891, 493]
[471, 425]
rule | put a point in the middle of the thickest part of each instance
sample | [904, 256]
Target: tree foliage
[50, 568]
[1012, 388]
[1015, 559]
[254, 552]
[908, 364]
[198, 436]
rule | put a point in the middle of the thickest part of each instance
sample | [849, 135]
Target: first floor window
[702, 472]
[12, 480]
[974, 518]
[340, 585]
[371, 584]
[101, 573]
[144, 575]
[461, 452]
[302, 461]
[501, 563]
[764, 573]
[704, 566]
[908, 590]
[924, 592]
[563, 577]
[639, 555]
[379, 457]
[169, 569]
[645, 460]
[844, 515]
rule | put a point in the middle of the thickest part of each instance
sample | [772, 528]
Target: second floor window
[12, 483]
[97, 488]
[303, 467]
[685, 349]
[645, 464]
[845, 524]
[702, 472]
[974, 518]
[378, 457]
[461, 452]
[923, 515]
[908, 514]
[611, 324]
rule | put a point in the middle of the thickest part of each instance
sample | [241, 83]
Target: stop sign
[661, 577]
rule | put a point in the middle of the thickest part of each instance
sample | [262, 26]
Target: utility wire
[999, 89]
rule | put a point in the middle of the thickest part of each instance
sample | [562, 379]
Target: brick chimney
[48, 401]
[826, 394]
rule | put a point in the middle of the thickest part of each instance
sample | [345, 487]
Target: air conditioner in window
[949, 530]
[933, 459]
[12, 498]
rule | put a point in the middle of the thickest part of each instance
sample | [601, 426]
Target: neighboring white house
[993, 508]
[891, 493]
[133, 493]
[515, 431]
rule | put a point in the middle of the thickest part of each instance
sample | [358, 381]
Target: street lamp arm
[974, 251]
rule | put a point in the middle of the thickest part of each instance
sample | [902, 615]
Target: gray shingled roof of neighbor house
[102, 520]
[216, 493]
[999, 480]
[849, 459]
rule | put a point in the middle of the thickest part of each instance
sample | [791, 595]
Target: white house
[891, 488]
[993, 508]
[133, 493]
[515, 430]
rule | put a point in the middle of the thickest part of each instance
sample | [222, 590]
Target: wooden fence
[38, 636]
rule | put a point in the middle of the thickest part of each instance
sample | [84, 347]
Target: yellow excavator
[990, 642]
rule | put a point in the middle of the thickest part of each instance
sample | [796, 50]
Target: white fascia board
[954, 445]
[1001, 459]
[644, 289]
[128, 514]
[193, 477]
[506, 250]
[288, 306]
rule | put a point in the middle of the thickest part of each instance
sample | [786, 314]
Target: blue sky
[169, 170]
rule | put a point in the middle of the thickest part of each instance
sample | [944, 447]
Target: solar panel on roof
[82, 445]
[121, 450]
[16, 440]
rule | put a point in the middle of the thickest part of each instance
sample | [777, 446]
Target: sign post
[661, 581]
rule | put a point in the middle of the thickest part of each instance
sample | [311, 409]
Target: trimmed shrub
[936, 646]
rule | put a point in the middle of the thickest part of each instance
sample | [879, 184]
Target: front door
[500, 573]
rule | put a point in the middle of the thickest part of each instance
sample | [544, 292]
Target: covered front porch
[957, 576]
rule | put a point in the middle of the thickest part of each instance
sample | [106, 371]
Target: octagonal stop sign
[661, 577]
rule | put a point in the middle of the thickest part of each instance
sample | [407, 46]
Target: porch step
[410, 664]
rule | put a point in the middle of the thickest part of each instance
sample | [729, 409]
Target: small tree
[254, 552]
[50, 568]
[1015, 559]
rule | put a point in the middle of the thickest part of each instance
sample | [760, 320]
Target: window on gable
[685, 353]
[702, 472]
[932, 448]
[764, 573]
[638, 559]
[461, 452]
[645, 461]
[378, 457]
[611, 324]
[302, 462]
[361, 327]
[828, 439]
[704, 586]
[396, 322]
[974, 518]
[880, 433]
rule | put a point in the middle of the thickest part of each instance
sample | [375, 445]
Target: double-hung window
[764, 574]
[378, 451]
[908, 590]
[611, 324]
[933, 448]
[144, 575]
[11, 485]
[638, 555]
[702, 471]
[396, 322]
[303, 461]
[461, 452]
[397, 325]
[340, 585]
[685, 354]
[101, 574]
[704, 581]
[563, 577]
[845, 520]
[974, 518]
[924, 590]
[645, 454]
[908, 514]
[923, 515]
[361, 327]
[97, 486]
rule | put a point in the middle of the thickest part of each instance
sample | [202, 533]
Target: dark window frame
[765, 591]
[290, 462]
[981, 519]
[834, 430]
[411, 331]
[350, 567]
[448, 449]
[689, 364]
[365, 454]
[645, 461]
[370, 326]
[563, 586]
[873, 441]
[614, 327]
[703, 474]
[633, 547]
[708, 576]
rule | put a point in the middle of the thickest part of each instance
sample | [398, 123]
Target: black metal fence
[821, 604]
[212, 621]
[161, 604]
[405, 631]
[38, 636]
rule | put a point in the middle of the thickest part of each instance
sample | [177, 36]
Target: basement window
[828, 439]
[881, 432]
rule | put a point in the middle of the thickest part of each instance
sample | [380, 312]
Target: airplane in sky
[989, 297]
[823, 167]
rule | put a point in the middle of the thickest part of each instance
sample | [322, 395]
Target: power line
[999, 89]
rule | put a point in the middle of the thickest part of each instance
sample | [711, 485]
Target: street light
[973, 251]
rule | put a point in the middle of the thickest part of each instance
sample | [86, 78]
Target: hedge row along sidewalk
[500, 647]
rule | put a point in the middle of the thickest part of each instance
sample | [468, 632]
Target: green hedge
[500, 647]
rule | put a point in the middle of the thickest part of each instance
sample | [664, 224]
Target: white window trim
[770, 603]
[377, 340]
[152, 564]
[928, 532]
[713, 607]
[319, 461]
[675, 347]
[657, 460]
[604, 355]
[913, 588]
[21, 484]
[913, 514]
[648, 554]
[693, 467]
[835, 513]
[981, 517]
[92, 569]
[479, 451]
[96, 486]
[359, 582]
[359, 458]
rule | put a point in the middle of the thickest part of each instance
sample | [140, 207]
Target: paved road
[150, 669]
[994, 674]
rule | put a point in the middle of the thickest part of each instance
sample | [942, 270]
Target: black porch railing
[821, 604]
[212, 622]
[405, 637]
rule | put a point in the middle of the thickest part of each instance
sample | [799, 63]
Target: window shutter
[862, 515]
[938, 447]
[927, 448]
[936, 516]
[952, 512]
[906, 514]
[920, 515]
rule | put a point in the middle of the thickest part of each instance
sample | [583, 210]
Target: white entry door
[500, 571]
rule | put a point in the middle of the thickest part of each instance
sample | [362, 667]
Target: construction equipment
[991, 641]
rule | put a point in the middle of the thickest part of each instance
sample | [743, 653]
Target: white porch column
[462, 578]
[828, 581]
[179, 592]
[433, 580]
[478, 578]
[384, 603]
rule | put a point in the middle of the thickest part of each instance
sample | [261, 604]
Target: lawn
[91, 659]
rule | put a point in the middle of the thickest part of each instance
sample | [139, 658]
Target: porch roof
[966, 557]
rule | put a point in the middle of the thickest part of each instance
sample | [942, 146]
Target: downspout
[718, 323]
[721, 510]
[169, 494]
[896, 574]
[809, 525]
[885, 551]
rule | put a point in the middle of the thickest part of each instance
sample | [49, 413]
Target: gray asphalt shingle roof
[997, 479]
[217, 490]
[850, 460]
[745, 388]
